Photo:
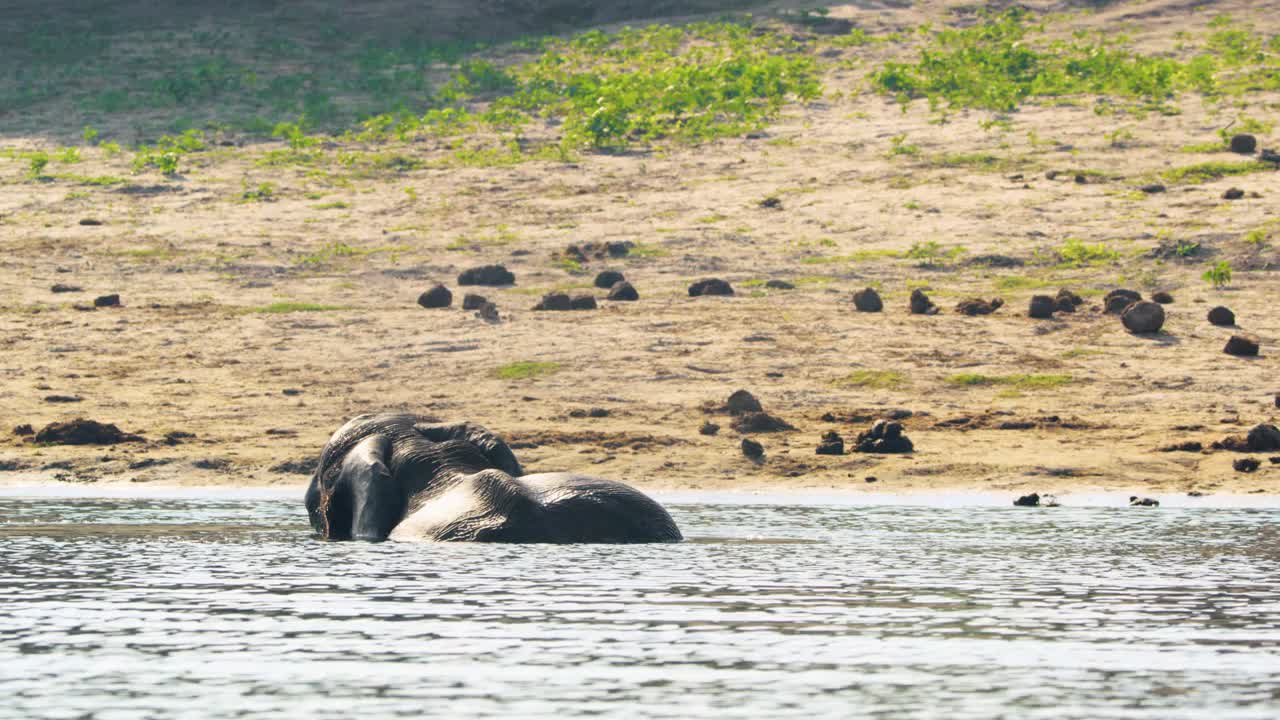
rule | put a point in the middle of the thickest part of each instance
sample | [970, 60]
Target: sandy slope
[182, 354]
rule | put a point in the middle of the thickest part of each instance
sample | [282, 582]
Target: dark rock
[83, 432]
[1067, 301]
[868, 300]
[1232, 194]
[1244, 144]
[1032, 500]
[606, 279]
[832, 444]
[1163, 298]
[1117, 301]
[437, 297]
[622, 291]
[1143, 318]
[773, 202]
[1188, 446]
[779, 285]
[760, 422]
[90, 222]
[709, 428]
[112, 300]
[1222, 316]
[1042, 307]
[583, 302]
[488, 312]
[63, 398]
[1246, 465]
[1242, 345]
[883, 437]
[1270, 156]
[23, 430]
[710, 286]
[1118, 304]
[871, 479]
[1274, 460]
[978, 306]
[1263, 438]
[12, 465]
[487, 275]
[291, 392]
[1136, 501]
[177, 437]
[921, 304]
[471, 301]
[741, 402]
[555, 301]
[588, 251]
[1152, 189]
[63, 288]
[297, 467]
[592, 412]
[752, 449]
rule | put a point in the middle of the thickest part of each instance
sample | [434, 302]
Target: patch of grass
[1206, 147]
[1207, 171]
[644, 250]
[1077, 253]
[1012, 283]
[1074, 353]
[293, 307]
[1219, 275]
[526, 370]
[334, 205]
[1021, 382]
[898, 145]
[264, 192]
[974, 161]
[875, 379]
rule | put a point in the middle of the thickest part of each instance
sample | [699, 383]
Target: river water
[226, 607]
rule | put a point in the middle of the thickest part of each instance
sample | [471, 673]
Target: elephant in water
[405, 477]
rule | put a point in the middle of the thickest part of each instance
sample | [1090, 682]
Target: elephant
[408, 477]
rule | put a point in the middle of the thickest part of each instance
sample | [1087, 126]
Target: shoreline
[1081, 497]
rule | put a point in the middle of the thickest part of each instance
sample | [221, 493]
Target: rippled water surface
[219, 608]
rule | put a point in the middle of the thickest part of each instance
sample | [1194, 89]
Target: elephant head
[408, 477]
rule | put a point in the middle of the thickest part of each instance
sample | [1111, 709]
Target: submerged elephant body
[403, 477]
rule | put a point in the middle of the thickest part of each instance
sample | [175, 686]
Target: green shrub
[1219, 275]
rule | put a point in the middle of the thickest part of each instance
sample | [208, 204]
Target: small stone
[832, 444]
[871, 479]
[978, 306]
[488, 312]
[557, 301]
[487, 275]
[1246, 465]
[710, 286]
[64, 288]
[1242, 345]
[740, 402]
[23, 430]
[1067, 301]
[773, 202]
[779, 285]
[622, 291]
[1244, 144]
[883, 437]
[1119, 300]
[90, 222]
[921, 304]
[1143, 318]
[760, 422]
[1032, 500]
[1042, 307]
[583, 302]
[1135, 501]
[608, 278]
[112, 300]
[868, 300]
[437, 297]
[1263, 438]
[752, 449]
[1152, 189]
[1233, 194]
[1188, 446]
[1163, 298]
[709, 428]
[471, 301]
[1222, 316]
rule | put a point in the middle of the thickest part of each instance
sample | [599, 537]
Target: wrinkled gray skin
[402, 477]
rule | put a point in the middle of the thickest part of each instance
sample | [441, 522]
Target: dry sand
[190, 259]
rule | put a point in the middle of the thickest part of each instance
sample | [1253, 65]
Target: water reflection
[228, 608]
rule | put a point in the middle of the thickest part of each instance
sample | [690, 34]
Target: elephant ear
[490, 445]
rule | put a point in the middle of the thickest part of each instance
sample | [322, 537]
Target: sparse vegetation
[1219, 275]
[874, 379]
[278, 308]
[1020, 382]
[526, 370]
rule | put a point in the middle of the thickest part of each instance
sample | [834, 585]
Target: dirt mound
[978, 306]
[487, 275]
[84, 432]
